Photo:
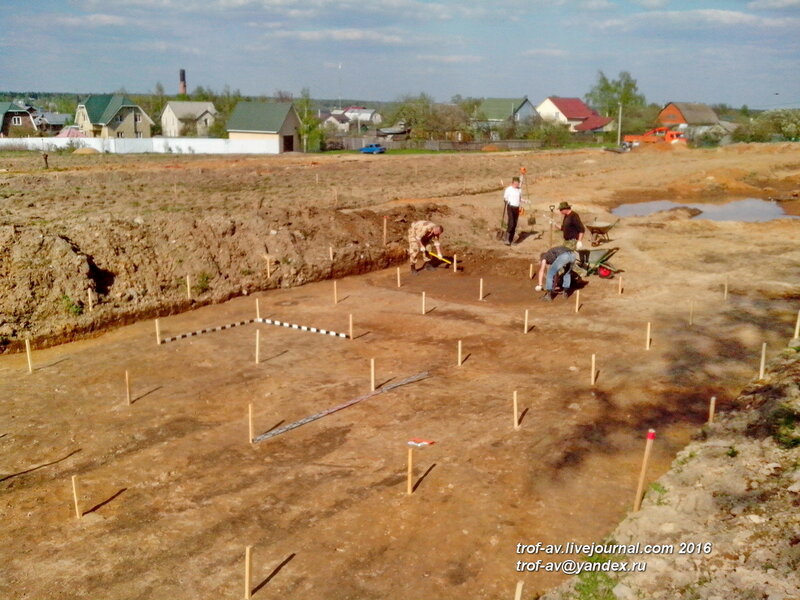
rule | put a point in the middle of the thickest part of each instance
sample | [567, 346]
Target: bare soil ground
[170, 489]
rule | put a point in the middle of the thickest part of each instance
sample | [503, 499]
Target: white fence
[158, 145]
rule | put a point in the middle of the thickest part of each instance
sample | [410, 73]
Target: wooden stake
[525, 330]
[480, 290]
[651, 435]
[28, 353]
[518, 591]
[725, 291]
[89, 298]
[372, 374]
[398, 276]
[75, 496]
[385, 229]
[158, 333]
[335, 293]
[691, 313]
[269, 267]
[410, 469]
[620, 284]
[250, 423]
[647, 339]
[763, 361]
[797, 326]
[350, 328]
[248, 568]
[330, 252]
[577, 300]
[711, 406]
[516, 411]
[258, 310]
[188, 287]
[128, 387]
[459, 353]
[258, 345]
[455, 263]
[423, 303]
[530, 272]
[594, 370]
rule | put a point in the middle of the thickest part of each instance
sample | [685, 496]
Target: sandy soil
[171, 491]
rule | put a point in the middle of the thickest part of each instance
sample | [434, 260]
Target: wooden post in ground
[530, 272]
[269, 266]
[250, 423]
[459, 354]
[725, 290]
[797, 326]
[691, 313]
[158, 333]
[335, 293]
[127, 387]
[518, 591]
[248, 569]
[372, 374]
[763, 361]
[330, 252]
[577, 300]
[385, 231]
[480, 290]
[619, 288]
[28, 354]
[525, 329]
[711, 406]
[350, 328]
[75, 496]
[651, 435]
[455, 263]
[398, 276]
[409, 486]
[258, 310]
[423, 303]
[188, 287]
[647, 339]
[594, 370]
[516, 411]
[258, 345]
[89, 298]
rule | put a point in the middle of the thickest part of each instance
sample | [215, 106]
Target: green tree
[310, 127]
[417, 112]
[606, 95]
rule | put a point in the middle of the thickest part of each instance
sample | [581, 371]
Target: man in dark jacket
[571, 227]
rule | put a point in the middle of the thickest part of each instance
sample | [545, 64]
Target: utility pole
[619, 125]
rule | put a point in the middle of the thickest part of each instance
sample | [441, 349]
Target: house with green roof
[493, 113]
[277, 123]
[16, 121]
[112, 116]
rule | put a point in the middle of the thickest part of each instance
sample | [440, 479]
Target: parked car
[373, 149]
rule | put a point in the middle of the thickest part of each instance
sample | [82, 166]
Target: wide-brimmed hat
[564, 206]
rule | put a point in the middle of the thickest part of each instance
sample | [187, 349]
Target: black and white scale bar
[301, 327]
[209, 330]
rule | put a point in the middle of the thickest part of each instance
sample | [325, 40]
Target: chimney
[182, 85]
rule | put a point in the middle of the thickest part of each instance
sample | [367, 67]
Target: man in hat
[513, 197]
[561, 259]
[420, 234]
[571, 227]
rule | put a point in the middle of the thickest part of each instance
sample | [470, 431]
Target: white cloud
[597, 4]
[552, 52]
[166, 48]
[92, 20]
[659, 21]
[773, 4]
[341, 35]
[651, 3]
[452, 59]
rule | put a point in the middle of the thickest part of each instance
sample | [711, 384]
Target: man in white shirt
[513, 198]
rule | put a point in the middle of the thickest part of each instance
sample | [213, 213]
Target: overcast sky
[714, 51]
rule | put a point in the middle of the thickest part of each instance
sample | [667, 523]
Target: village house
[17, 121]
[574, 113]
[112, 116]
[187, 118]
[493, 113]
[687, 113]
[274, 122]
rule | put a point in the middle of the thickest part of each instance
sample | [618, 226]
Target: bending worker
[559, 258]
[420, 234]
[572, 227]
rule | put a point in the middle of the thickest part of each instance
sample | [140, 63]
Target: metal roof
[266, 117]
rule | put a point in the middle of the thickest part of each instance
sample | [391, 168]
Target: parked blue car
[373, 149]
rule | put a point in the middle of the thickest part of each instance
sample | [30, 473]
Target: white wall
[145, 145]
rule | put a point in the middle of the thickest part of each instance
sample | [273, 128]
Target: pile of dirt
[727, 510]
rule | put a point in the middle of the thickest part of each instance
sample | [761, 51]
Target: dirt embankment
[728, 508]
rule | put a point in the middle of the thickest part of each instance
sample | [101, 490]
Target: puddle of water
[750, 210]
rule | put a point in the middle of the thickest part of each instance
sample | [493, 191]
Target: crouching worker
[561, 259]
[420, 234]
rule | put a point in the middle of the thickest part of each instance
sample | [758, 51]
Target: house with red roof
[574, 113]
